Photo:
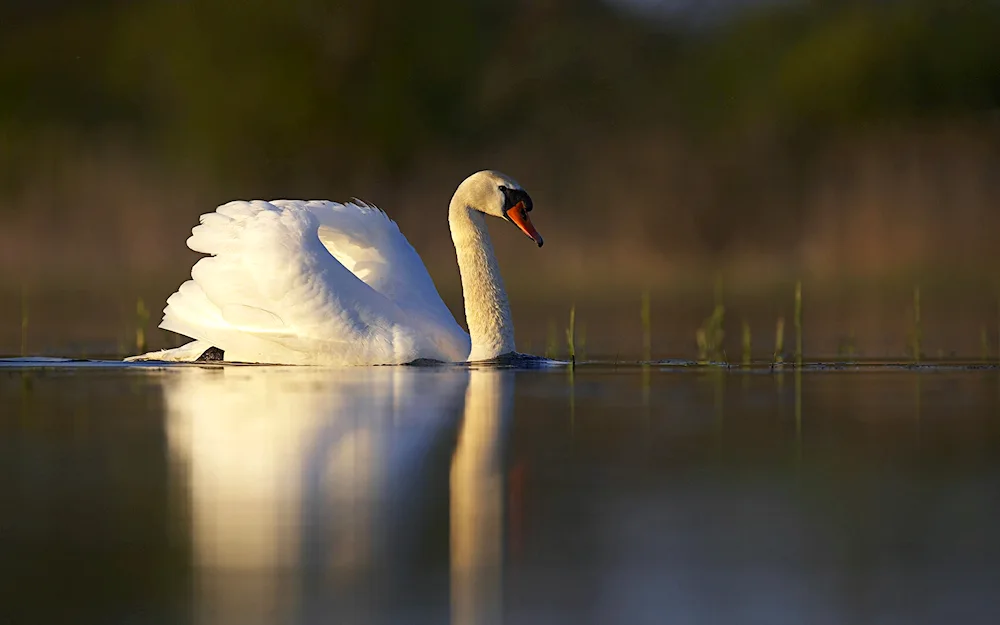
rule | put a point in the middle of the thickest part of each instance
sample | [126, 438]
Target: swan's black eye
[513, 196]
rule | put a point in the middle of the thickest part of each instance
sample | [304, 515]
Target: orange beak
[519, 216]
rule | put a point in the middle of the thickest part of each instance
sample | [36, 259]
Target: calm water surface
[244, 495]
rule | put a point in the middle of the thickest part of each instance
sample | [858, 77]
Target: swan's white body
[322, 283]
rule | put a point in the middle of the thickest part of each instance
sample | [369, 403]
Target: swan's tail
[187, 312]
[185, 353]
[237, 317]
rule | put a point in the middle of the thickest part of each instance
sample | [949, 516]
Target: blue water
[244, 494]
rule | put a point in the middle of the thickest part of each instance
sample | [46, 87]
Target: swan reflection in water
[314, 494]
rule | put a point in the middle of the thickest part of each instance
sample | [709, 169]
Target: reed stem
[779, 341]
[24, 321]
[571, 335]
[747, 344]
[647, 332]
[141, 319]
[798, 323]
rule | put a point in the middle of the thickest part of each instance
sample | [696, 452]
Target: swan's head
[499, 195]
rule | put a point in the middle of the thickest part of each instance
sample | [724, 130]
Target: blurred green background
[668, 146]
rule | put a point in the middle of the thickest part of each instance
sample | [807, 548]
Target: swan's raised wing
[370, 245]
[270, 291]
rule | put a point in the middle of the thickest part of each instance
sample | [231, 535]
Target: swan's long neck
[486, 309]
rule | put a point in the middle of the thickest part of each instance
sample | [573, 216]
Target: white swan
[322, 283]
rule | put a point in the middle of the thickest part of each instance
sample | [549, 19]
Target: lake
[608, 494]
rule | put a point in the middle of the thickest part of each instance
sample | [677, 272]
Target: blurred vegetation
[307, 88]
[852, 144]
[268, 88]
[824, 64]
